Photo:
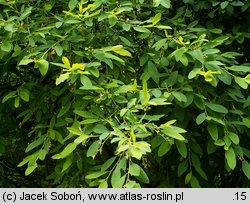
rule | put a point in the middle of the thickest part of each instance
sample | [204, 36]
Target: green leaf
[122, 163]
[156, 3]
[230, 158]
[141, 29]
[64, 110]
[68, 162]
[95, 175]
[48, 6]
[153, 71]
[72, 21]
[193, 73]
[94, 71]
[164, 148]
[25, 160]
[194, 182]
[132, 184]
[179, 53]
[197, 54]
[163, 27]
[66, 151]
[108, 163]
[156, 18]
[31, 168]
[217, 108]
[239, 68]
[182, 167]
[134, 169]
[144, 95]
[151, 117]
[25, 94]
[86, 81]
[158, 102]
[121, 51]
[3, 2]
[211, 51]
[201, 118]
[209, 118]
[246, 121]
[135, 152]
[116, 180]
[72, 4]
[246, 169]
[35, 144]
[173, 133]
[114, 57]
[75, 131]
[99, 128]
[93, 149]
[165, 3]
[6, 46]
[224, 4]
[213, 131]
[126, 41]
[167, 124]
[123, 111]
[103, 184]
[159, 44]
[197, 166]
[42, 154]
[43, 66]
[179, 96]
[85, 114]
[241, 82]
[219, 142]
[89, 121]
[81, 138]
[17, 102]
[25, 61]
[182, 149]
[59, 50]
[211, 147]
[112, 20]
[247, 79]
[216, 30]
[126, 26]
[143, 176]
[25, 13]
[225, 77]
[188, 177]
[227, 141]
[234, 138]
[10, 95]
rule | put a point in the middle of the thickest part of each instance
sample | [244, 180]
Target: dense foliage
[108, 93]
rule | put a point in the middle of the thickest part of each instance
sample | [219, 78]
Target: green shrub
[127, 93]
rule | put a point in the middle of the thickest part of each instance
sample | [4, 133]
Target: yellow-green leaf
[66, 61]
[30, 168]
[156, 18]
[121, 51]
[76, 66]
[62, 78]
[25, 61]
[167, 123]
